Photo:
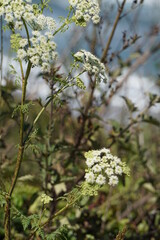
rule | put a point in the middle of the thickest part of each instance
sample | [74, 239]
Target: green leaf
[2, 199]
[130, 104]
[25, 222]
[154, 98]
[149, 187]
[151, 120]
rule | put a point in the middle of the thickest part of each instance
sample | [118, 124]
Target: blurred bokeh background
[123, 115]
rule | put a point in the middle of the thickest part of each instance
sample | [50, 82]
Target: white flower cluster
[41, 51]
[86, 10]
[92, 65]
[45, 199]
[103, 167]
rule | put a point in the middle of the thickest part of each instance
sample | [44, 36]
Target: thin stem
[27, 32]
[89, 103]
[20, 150]
[1, 56]
[56, 215]
[42, 110]
[113, 31]
[60, 28]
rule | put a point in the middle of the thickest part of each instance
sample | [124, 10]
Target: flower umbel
[38, 48]
[86, 10]
[92, 65]
[104, 167]
[45, 199]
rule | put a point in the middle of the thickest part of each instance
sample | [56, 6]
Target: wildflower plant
[38, 49]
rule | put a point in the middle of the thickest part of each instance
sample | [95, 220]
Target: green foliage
[51, 199]
[130, 105]
[80, 83]
[2, 199]
[15, 39]
[62, 233]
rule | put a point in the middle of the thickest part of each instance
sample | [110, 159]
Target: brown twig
[141, 60]
[105, 52]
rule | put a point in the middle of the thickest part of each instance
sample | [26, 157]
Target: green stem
[42, 110]
[60, 28]
[20, 150]
[27, 32]
[1, 56]
[56, 215]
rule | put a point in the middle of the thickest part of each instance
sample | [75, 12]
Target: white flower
[87, 67]
[95, 19]
[29, 17]
[21, 54]
[109, 156]
[36, 33]
[8, 9]
[17, 15]
[73, 3]
[51, 23]
[91, 64]
[35, 60]
[109, 171]
[96, 168]
[78, 14]
[34, 41]
[101, 180]
[49, 35]
[90, 178]
[52, 45]
[42, 39]
[54, 55]
[31, 51]
[118, 170]
[113, 180]
[18, 25]
[113, 164]
[9, 17]
[45, 67]
[87, 17]
[29, 8]
[23, 42]
[90, 162]
[86, 9]
[117, 160]
[41, 21]
[1, 10]
[46, 57]
[97, 159]
[105, 150]
[104, 165]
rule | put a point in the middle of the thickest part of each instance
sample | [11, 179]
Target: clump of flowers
[85, 10]
[92, 65]
[40, 48]
[104, 168]
[41, 52]
[45, 199]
